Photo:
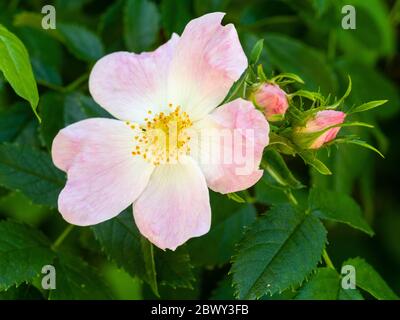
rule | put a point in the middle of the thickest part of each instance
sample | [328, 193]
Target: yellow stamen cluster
[163, 138]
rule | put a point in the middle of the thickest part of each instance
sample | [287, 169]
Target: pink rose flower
[272, 100]
[113, 163]
[322, 120]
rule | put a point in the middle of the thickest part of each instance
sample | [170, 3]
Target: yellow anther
[171, 127]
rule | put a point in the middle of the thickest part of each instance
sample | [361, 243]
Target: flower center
[164, 138]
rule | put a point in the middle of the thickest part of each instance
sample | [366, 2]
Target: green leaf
[15, 65]
[358, 142]
[13, 121]
[338, 207]
[81, 42]
[256, 52]
[367, 106]
[76, 280]
[279, 250]
[46, 55]
[175, 14]
[31, 19]
[374, 35]
[268, 193]
[323, 285]
[123, 243]
[174, 268]
[59, 110]
[169, 293]
[369, 84]
[236, 90]
[224, 290]
[30, 171]
[349, 294]
[229, 220]
[91, 108]
[23, 252]
[351, 124]
[149, 263]
[110, 26]
[22, 292]
[282, 144]
[287, 76]
[370, 280]
[141, 22]
[345, 95]
[41, 45]
[290, 55]
[261, 73]
[313, 161]
[313, 96]
[274, 164]
[45, 74]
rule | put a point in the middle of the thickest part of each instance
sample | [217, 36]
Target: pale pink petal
[230, 147]
[207, 61]
[272, 100]
[322, 120]
[127, 84]
[70, 140]
[103, 176]
[175, 205]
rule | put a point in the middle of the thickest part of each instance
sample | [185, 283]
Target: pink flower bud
[272, 100]
[321, 120]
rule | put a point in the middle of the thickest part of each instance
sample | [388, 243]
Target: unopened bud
[272, 100]
[312, 135]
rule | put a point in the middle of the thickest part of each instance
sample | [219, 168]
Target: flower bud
[272, 100]
[312, 136]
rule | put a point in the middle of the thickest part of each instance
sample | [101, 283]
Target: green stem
[248, 197]
[51, 86]
[76, 83]
[70, 87]
[327, 260]
[291, 197]
[62, 237]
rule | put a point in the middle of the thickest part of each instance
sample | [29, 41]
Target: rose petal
[175, 205]
[207, 61]
[128, 85]
[231, 145]
[103, 176]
